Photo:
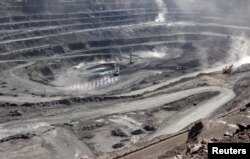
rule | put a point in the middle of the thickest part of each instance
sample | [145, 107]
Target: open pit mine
[122, 79]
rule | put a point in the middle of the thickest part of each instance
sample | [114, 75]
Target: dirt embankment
[200, 150]
[196, 146]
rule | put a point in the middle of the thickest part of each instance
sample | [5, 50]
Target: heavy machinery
[116, 70]
[227, 70]
[179, 68]
[131, 62]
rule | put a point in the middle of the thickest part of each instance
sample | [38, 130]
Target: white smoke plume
[239, 51]
[163, 10]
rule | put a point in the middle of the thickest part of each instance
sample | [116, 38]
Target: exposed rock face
[137, 132]
[242, 127]
[248, 105]
[200, 150]
[119, 133]
[16, 137]
[15, 113]
[119, 145]
[149, 128]
[195, 131]
[43, 74]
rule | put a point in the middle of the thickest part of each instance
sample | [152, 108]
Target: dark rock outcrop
[195, 131]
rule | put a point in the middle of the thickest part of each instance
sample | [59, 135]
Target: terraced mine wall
[41, 28]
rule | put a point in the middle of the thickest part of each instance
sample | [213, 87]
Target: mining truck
[227, 70]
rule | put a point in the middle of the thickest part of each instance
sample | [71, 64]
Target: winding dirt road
[41, 124]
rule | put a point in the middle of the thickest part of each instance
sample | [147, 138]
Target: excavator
[227, 70]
